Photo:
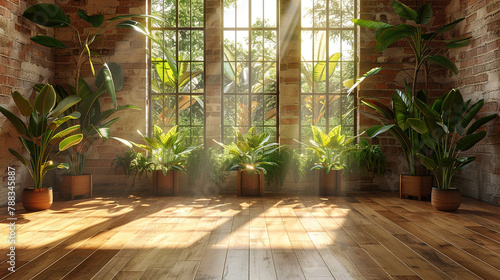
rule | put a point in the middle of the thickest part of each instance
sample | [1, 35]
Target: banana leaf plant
[168, 150]
[428, 48]
[329, 148]
[250, 150]
[41, 133]
[447, 129]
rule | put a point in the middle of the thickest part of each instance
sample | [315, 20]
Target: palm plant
[448, 132]
[250, 150]
[40, 133]
[428, 48]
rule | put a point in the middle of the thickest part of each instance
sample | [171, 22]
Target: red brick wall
[22, 64]
[479, 78]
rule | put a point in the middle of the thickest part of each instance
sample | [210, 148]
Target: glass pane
[242, 41]
[229, 46]
[157, 10]
[257, 110]
[184, 69]
[184, 45]
[319, 110]
[335, 43]
[348, 45]
[257, 45]
[307, 45]
[347, 109]
[185, 103]
[162, 76]
[306, 83]
[335, 12]
[307, 13]
[156, 78]
[198, 110]
[184, 14]
[229, 13]
[257, 13]
[197, 13]
[197, 49]
[157, 48]
[319, 46]
[335, 111]
[335, 82]
[319, 13]
[164, 110]
[229, 110]
[272, 133]
[197, 81]
[243, 77]
[270, 84]
[347, 73]
[257, 77]
[306, 134]
[197, 135]
[270, 109]
[229, 77]
[242, 8]
[270, 13]
[229, 136]
[347, 13]
[306, 110]
[242, 111]
[270, 38]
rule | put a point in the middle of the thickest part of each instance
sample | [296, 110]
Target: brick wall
[22, 64]
[479, 78]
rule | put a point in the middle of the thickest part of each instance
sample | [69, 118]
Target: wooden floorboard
[286, 236]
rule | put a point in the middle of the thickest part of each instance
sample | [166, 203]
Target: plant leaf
[70, 141]
[45, 100]
[378, 129]
[404, 11]
[64, 105]
[319, 72]
[449, 25]
[48, 15]
[351, 86]
[469, 141]
[417, 125]
[475, 125]
[108, 82]
[424, 14]
[117, 74]
[22, 159]
[95, 20]
[48, 41]
[23, 104]
[444, 61]
[371, 24]
[379, 107]
[427, 162]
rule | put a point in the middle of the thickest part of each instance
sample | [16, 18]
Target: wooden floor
[362, 236]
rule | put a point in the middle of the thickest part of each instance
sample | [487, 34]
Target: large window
[177, 67]
[250, 67]
[328, 52]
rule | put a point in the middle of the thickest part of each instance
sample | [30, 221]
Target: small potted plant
[448, 132]
[249, 152]
[133, 164]
[41, 135]
[365, 161]
[329, 148]
[168, 151]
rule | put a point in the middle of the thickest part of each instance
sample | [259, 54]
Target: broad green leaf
[64, 105]
[95, 20]
[57, 122]
[404, 11]
[425, 109]
[371, 24]
[23, 104]
[452, 109]
[45, 100]
[417, 125]
[427, 162]
[65, 132]
[389, 36]
[379, 107]
[450, 25]
[470, 140]
[134, 15]
[48, 41]
[48, 15]
[108, 82]
[444, 61]
[453, 44]
[70, 141]
[90, 59]
[477, 124]
[424, 14]
[22, 159]
[136, 26]
[117, 74]
[378, 129]
[56, 166]
[349, 83]
[470, 114]
[319, 71]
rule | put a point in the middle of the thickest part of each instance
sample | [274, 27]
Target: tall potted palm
[428, 48]
[41, 136]
[249, 153]
[447, 129]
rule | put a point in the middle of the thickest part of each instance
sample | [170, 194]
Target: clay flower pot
[37, 199]
[446, 199]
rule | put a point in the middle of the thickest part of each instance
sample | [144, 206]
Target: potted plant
[133, 164]
[329, 149]
[168, 151]
[364, 161]
[94, 123]
[447, 130]
[248, 153]
[428, 48]
[41, 136]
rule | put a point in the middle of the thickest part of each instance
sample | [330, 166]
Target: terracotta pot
[446, 199]
[165, 185]
[416, 186]
[250, 183]
[37, 199]
[330, 184]
[76, 185]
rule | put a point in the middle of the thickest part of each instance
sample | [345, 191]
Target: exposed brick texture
[22, 64]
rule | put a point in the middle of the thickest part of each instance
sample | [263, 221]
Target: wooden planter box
[330, 184]
[416, 186]
[250, 184]
[76, 185]
[165, 185]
